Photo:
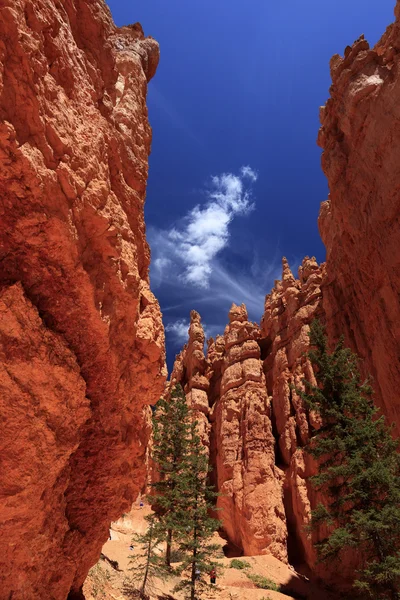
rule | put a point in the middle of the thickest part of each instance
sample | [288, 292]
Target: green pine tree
[196, 526]
[359, 470]
[171, 427]
[147, 563]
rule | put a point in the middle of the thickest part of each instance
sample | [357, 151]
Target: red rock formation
[289, 310]
[189, 370]
[250, 484]
[81, 338]
[360, 223]
[259, 424]
[229, 388]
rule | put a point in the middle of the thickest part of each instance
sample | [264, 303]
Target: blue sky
[235, 179]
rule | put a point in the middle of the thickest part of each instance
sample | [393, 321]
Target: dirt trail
[105, 582]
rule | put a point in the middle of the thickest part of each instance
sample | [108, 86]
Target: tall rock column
[360, 223]
[227, 391]
[251, 485]
[189, 370]
[289, 309]
[81, 338]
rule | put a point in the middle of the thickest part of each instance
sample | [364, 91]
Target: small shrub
[239, 564]
[263, 582]
[177, 555]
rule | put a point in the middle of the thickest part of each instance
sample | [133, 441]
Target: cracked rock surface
[81, 338]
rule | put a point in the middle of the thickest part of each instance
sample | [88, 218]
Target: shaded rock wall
[81, 338]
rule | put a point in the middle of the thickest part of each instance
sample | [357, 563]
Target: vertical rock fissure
[295, 549]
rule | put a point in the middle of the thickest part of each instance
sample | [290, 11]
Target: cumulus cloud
[203, 233]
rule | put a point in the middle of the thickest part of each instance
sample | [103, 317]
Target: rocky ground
[109, 579]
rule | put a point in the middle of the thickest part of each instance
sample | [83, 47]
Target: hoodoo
[258, 423]
[81, 338]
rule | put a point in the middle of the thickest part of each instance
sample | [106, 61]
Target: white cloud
[179, 330]
[192, 268]
[249, 172]
[203, 233]
[161, 263]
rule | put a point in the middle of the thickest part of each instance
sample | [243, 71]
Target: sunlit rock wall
[81, 338]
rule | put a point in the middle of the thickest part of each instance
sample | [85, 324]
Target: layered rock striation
[81, 338]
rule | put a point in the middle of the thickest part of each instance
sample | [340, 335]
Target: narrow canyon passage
[82, 342]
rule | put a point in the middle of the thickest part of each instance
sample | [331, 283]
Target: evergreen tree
[359, 470]
[147, 564]
[196, 526]
[171, 428]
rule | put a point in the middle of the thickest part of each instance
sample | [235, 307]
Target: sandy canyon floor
[109, 579]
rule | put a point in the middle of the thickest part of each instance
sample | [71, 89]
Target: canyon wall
[81, 338]
[360, 223]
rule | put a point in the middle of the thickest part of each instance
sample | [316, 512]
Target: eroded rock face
[289, 309]
[360, 223]
[259, 424]
[250, 483]
[81, 337]
[189, 371]
[227, 389]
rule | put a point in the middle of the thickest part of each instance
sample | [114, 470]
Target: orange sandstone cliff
[81, 338]
[360, 223]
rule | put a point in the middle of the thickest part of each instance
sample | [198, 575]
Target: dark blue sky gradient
[240, 82]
